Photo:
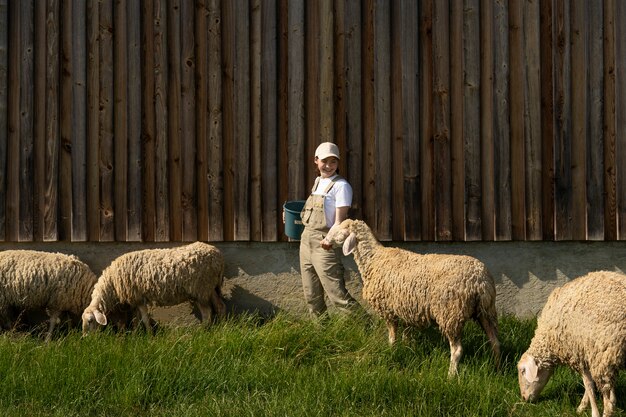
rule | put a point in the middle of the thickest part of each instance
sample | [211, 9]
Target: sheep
[583, 326]
[162, 277]
[34, 280]
[420, 290]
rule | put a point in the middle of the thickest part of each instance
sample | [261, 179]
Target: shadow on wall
[242, 301]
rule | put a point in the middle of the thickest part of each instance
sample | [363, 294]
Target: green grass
[285, 366]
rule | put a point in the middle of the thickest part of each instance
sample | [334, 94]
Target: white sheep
[582, 325]
[35, 280]
[161, 277]
[420, 290]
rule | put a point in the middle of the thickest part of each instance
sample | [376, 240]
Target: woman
[320, 264]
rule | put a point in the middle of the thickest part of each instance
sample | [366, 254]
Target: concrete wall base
[265, 278]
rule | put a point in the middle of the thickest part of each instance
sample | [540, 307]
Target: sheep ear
[349, 244]
[100, 317]
[531, 370]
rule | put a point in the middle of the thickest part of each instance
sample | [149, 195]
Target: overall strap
[332, 182]
[317, 181]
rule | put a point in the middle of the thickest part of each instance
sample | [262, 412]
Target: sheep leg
[54, 319]
[5, 322]
[206, 313]
[584, 403]
[491, 330]
[392, 327]
[589, 393]
[456, 351]
[217, 303]
[145, 318]
[608, 398]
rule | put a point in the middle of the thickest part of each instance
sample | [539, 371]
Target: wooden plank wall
[180, 120]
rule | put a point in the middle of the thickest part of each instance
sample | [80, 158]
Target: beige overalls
[321, 269]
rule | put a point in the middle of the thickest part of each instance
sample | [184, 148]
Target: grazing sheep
[162, 277]
[420, 290]
[33, 280]
[582, 325]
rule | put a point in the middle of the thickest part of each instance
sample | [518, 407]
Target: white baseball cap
[326, 149]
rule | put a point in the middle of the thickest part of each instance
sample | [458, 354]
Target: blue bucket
[293, 221]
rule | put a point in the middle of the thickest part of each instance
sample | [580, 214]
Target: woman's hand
[326, 244]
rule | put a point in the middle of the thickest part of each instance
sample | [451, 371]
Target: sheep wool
[583, 326]
[36, 280]
[159, 277]
[422, 290]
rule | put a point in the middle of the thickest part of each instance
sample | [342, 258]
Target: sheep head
[343, 234]
[92, 316]
[532, 376]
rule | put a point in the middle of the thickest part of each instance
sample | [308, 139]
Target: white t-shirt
[338, 196]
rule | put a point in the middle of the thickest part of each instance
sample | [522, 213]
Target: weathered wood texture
[180, 120]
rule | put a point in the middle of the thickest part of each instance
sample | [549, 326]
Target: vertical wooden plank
[175, 119]
[79, 118]
[409, 14]
[384, 198]
[236, 64]
[50, 199]
[547, 117]
[517, 100]
[283, 108]
[620, 111]
[298, 167]
[486, 119]
[256, 212]
[340, 84]
[229, 135]
[105, 121]
[269, 121]
[351, 67]
[26, 108]
[563, 129]
[312, 87]
[66, 111]
[134, 161]
[369, 113]
[242, 100]
[161, 114]
[411, 124]
[215, 145]
[4, 46]
[39, 119]
[188, 140]
[471, 119]
[595, 154]
[397, 114]
[202, 118]
[327, 111]
[610, 118]
[532, 119]
[502, 132]
[13, 125]
[93, 115]
[120, 88]
[456, 95]
[148, 121]
[427, 121]
[579, 116]
[441, 112]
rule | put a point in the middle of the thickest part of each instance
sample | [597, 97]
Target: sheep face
[532, 377]
[342, 235]
[91, 318]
